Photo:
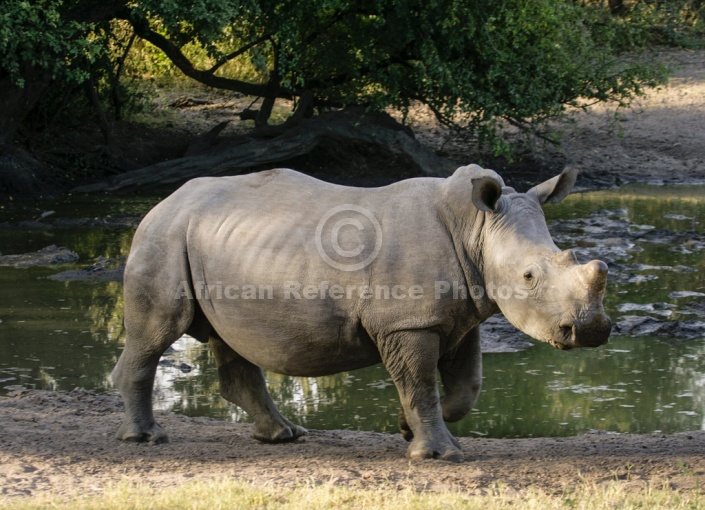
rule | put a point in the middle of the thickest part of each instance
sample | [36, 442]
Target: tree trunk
[16, 102]
[617, 7]
[17, 167]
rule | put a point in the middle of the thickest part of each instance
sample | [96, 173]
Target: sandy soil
[64, 442]
[658, 140]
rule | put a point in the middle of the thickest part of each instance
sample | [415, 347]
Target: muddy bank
[47, 256]
[63, 442]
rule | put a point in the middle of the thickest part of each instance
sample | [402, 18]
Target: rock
[122, 221]
[44, 257]
[690, 240]
[693, 308]
[103, 270]
[33, 224]
[634, 325]
[677, 217]
[498, 335]
[685, 293]
[664, 309]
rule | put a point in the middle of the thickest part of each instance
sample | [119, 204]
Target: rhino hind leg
[243, 384]
[134, 377]
[154, 320]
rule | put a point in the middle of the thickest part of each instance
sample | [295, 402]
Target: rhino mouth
[566, 338]
[574, 335]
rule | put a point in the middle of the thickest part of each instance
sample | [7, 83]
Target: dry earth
[660, 139]
[64, 442]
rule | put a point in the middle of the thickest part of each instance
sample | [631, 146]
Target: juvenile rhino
[283, 272]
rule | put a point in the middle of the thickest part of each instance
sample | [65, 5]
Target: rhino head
[543, 291]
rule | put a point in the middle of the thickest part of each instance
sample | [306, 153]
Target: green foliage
[33, 34]
[476, 64]
[473, 63]
[679, 23]
[644, 23]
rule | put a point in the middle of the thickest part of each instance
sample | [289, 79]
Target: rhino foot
[419, 450]
[404, 428]
[132, 432]
[408, 434]
[285, 434]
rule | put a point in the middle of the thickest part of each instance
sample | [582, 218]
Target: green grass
[218, 495]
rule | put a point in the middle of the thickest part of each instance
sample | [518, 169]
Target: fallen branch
[237, 155]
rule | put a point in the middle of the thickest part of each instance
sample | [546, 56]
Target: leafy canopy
[34, 34]
[472, 62]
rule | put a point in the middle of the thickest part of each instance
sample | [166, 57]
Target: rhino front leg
[243, 384]
[461, 374]
[411, 357]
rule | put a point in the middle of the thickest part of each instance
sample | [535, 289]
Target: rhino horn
[595, 274]
[565, 258]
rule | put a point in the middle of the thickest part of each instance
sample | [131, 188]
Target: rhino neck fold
[467, 235]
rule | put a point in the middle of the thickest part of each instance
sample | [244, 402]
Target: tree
[41, 42]
[475, 64]
[510, 59]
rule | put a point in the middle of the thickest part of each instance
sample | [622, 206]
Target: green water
[62, 335]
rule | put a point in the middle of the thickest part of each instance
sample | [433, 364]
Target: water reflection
[58, 335]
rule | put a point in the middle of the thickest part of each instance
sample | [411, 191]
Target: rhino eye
[528, 276]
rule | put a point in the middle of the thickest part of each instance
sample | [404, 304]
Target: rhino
[282, 272]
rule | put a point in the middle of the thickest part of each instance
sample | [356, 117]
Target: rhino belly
[279, 340]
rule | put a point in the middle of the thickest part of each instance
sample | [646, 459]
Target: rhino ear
[557, 188]
[486, 191]
[483, 185]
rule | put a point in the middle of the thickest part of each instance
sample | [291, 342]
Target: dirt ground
[63, 442]
[659, 140]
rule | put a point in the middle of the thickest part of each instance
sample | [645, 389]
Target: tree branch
[239, 52]
[232, 158]
[180, 60]
[115, 79]
[94, 11]
[528, 127]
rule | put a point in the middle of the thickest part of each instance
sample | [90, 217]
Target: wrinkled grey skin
[260, 229]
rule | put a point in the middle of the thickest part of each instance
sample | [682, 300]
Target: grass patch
[230, 494]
